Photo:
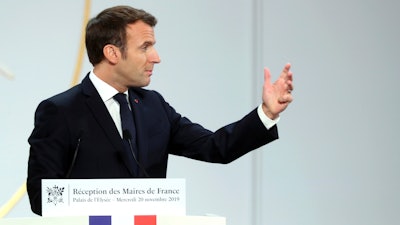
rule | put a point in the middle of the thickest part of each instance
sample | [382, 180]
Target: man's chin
[140, 85]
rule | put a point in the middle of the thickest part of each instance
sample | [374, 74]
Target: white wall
[337, 160]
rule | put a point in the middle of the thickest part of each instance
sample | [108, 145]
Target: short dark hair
[109, 27]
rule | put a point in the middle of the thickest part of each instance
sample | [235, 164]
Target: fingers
[290, 86]
[286, 73]
[286, 98]
[287, 68]
[285, 80]
[287, 76]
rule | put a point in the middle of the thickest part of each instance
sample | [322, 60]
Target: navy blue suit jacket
[80, 114]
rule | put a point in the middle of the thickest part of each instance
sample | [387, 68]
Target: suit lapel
[103, 118]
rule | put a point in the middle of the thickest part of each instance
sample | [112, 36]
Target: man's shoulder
[72, 92]
[67, 98]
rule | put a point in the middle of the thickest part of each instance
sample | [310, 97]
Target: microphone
[127, 136]
[75, 154]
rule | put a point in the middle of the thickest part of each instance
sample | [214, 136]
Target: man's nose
[154, 57]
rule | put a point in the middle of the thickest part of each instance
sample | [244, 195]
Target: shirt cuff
[268, 123]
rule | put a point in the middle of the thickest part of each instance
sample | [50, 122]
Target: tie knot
[121, 98]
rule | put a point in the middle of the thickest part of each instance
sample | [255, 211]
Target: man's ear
[111, 53]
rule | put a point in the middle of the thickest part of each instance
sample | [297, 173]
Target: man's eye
[145, 47]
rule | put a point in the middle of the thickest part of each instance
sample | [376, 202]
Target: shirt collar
[105, 91]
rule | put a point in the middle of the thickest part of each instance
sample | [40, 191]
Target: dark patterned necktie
[128, 129]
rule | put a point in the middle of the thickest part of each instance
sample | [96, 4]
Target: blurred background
[337, 159]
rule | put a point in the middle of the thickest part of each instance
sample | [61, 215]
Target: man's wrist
[265, 119]
[268, 112]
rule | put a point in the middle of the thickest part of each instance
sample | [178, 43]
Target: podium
[114, 202]
[133, 220]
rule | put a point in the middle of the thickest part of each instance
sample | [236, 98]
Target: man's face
[136, 67]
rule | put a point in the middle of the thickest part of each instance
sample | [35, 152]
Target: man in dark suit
[78, 133]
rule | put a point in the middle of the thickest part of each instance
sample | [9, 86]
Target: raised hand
[277, 96]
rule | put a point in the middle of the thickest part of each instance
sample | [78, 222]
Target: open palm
[277, 96]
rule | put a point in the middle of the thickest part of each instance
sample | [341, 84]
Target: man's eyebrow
[148, 43]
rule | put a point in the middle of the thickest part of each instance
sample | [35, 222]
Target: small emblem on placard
[55, 195]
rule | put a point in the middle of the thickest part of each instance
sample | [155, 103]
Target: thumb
[267, 76]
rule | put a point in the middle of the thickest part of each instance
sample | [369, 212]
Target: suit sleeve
[225, 145]
[49, 150]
